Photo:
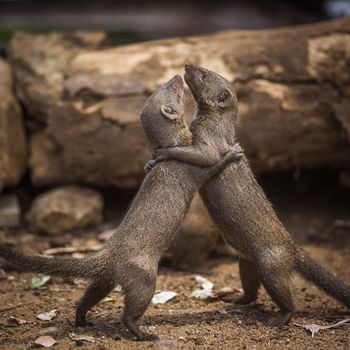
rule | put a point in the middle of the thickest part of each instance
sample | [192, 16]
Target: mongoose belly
[157, 211]
[239, 207]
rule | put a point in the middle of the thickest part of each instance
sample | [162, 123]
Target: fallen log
[83, 101]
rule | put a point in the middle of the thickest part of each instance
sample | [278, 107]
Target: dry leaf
[81, 337]
[225, 292]
[47, 316]
[206, 288]
[315, 328]
[40, 281]
[46, 341]
[201, 293]
[204, 282]
[48, 330]
[163, 297]
[14, 321]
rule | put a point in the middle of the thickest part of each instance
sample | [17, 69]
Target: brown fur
[196, 238]
[130, 257]
[239, 206]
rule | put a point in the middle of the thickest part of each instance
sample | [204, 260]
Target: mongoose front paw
[237, 150]
[150, 165]
[234, 153]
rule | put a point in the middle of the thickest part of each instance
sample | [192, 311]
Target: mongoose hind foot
[240, 300]
[136, 331]
[244, 300]
[83, 323]
[282, 320]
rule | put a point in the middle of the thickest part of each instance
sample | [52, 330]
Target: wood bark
[83, 100]
[13, 146]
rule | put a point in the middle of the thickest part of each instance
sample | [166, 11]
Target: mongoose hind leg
[138, 295]
[250, 282]
[96, 291]
[277, 282]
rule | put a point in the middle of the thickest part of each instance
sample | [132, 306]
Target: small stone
[10, 211]
[167, 345]
[65, 208]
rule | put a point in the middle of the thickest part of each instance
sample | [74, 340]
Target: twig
[63, 250]
[15, 306]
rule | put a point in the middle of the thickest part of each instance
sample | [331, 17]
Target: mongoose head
[162, 116]
[211, 91]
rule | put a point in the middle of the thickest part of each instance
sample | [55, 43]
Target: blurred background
[137, 20]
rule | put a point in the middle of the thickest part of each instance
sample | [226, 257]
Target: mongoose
[130, 257]
[198, 235]
[239, 206]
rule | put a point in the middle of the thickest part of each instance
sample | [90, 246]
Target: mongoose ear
[224, 98]
[169, 112]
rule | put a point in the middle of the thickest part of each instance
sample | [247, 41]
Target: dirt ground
[185, 322]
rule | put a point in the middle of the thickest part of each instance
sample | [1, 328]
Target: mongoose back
[130, 257]
[239, 206]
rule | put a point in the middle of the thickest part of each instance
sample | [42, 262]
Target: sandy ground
[183, 323]
[308, 207]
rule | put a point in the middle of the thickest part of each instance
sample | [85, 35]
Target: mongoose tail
[87, 267]
[315, 273]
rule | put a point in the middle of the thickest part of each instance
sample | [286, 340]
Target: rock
[197, 236]
[13, 149]
[74, 138]
[10, 211]
[65, 208]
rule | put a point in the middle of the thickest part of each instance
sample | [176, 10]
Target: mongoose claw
[149, 166]
[234, 153]
[280, 321]
[237, 150]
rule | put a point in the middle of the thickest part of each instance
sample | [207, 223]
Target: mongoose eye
[203, 77]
